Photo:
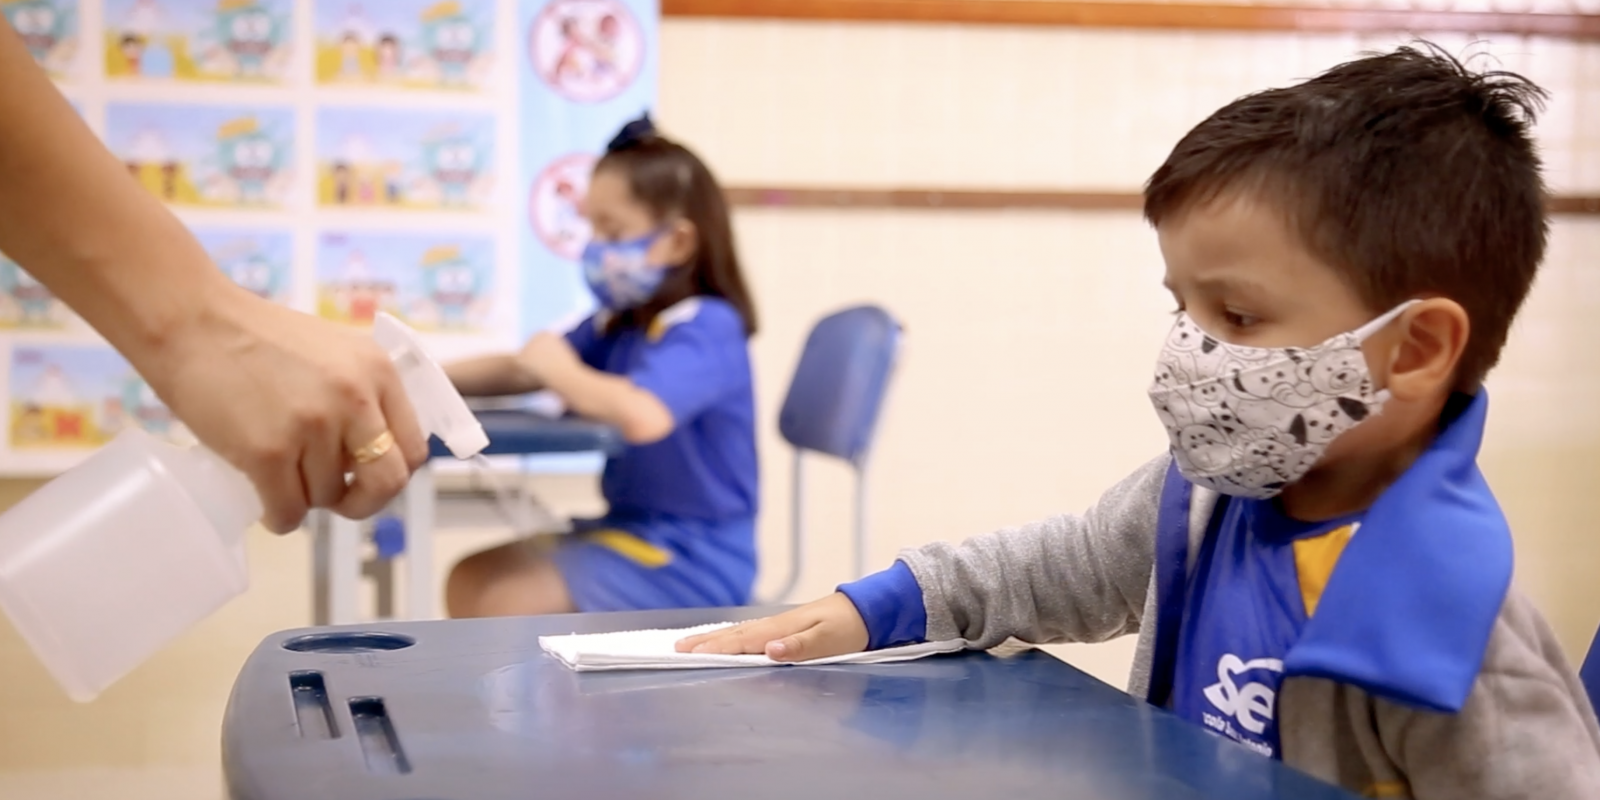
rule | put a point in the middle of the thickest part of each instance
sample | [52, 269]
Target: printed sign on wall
[26, 304]
[261, 261]
[386, 158]
[424, 157]
[413, 44]
[587, 67]
[74, 397]
[49, 29]
[218, 156]
[198, 40]
[434, 282]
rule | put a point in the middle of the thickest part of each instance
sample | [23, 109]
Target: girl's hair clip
[633, 133]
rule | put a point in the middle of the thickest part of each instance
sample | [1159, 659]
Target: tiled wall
[783, 102]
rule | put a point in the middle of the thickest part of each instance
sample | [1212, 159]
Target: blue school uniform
[1399, 600]
[1254, 585]
[680, 531]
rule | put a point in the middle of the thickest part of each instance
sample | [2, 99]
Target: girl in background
[666, 361]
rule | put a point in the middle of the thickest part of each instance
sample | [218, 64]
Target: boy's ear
[681, 241]
[1425, 347]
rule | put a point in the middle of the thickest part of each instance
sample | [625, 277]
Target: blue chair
[1590, 674]
[832, 408]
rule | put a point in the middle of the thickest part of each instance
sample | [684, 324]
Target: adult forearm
[72, 217]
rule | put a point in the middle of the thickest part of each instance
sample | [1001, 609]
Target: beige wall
[1030, 334]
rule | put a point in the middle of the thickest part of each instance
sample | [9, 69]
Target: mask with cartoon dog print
[1248, 421]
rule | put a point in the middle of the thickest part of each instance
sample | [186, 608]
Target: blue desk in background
[337, 543]
[526, 433]
[473, 710]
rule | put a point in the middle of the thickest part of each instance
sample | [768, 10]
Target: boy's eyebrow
[1221, 285]
[1227, 284]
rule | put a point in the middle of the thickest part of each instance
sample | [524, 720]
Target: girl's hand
[828, 627]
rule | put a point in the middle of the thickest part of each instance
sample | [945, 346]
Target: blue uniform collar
[1408, 610]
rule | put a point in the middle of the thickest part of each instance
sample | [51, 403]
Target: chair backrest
[838, 388]
[1590, 674]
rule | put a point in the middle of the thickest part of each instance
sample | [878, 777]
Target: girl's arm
[492, 376]
[640, 416]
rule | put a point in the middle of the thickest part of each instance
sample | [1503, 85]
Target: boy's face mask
[1248, 421]
[620, 273]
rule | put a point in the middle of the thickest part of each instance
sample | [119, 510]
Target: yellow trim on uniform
[1314, 559]
[658, 329]
[1388, 789]
[632, 548]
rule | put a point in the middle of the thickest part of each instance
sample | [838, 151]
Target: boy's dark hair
[1407, 172]
[672, 181]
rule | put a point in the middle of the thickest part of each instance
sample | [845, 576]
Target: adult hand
[288, 399]
[828, 627]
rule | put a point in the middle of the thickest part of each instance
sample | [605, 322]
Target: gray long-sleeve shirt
[1526, 731]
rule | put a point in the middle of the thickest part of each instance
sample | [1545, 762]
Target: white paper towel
[655, 649]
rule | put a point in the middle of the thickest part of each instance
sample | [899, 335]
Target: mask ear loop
[1366, 331]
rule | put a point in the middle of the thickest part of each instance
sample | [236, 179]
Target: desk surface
[514, 432]
[473, 710]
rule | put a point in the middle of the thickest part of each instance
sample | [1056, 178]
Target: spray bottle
[105, 565]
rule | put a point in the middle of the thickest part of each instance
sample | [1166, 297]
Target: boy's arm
[1527, 730]
[1067, 578]
[1064, 579]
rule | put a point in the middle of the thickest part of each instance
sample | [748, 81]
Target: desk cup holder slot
[379, 742]
[347, 643]
[313, 713]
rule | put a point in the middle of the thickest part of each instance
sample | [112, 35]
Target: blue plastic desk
[473, 710]
[525, 433]
[337, 563]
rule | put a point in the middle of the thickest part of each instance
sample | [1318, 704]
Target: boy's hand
[828, 627]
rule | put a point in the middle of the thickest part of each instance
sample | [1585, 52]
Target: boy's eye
[1239, 320]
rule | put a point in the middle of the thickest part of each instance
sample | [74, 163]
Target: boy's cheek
[1367, 437]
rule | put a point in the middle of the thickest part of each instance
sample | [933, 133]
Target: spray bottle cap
[440, 408]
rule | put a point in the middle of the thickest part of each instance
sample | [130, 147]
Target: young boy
[1317, 570]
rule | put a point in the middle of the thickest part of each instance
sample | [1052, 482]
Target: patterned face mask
[1248, 421]
[620, 273]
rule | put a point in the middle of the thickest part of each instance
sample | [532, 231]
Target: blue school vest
[1407, 613]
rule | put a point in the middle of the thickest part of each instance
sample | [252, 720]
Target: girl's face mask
[620, 273]
[1248, 421]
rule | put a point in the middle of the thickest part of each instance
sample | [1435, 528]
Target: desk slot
[313, 714]
[379, 742]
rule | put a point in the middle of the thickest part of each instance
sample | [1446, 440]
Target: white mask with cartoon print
[1248, 421]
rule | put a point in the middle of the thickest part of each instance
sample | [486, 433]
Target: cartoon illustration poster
[423, 44]
[554, 206]
[385, 158]
[71, 397]
[587, 50]
[586, 67]
[256, 260]
[49, 29]
[216, 156]
[433, 282]
[198, 40]
[25, 303]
